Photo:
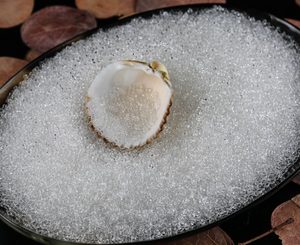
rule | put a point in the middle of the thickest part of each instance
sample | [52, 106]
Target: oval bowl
[287, 28]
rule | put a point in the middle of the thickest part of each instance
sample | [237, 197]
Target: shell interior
[128, 103]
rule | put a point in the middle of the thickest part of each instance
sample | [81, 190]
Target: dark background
[12, 45]
[243, 226]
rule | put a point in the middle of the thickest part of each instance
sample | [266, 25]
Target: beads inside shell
[129, 101]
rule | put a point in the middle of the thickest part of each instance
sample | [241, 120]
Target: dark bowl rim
[284, 26]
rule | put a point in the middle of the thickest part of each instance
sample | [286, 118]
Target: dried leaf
[294, 22]
[289, 234]
[103, 9]
[9, 66]
[213, 236]
[146, 5]
[274, 229]
[32, 54]
[53, 25]
[14, 12]
[296, 179]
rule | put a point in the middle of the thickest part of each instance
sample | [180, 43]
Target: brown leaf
[294, 22]
[213, 236]
[289, 234]
[103, 9]
[296, 179]
[9, 66]
[32, 54]
[14, 12]
[146, 5]
[53, 25]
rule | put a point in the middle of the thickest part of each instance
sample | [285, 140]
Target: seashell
[129, 101]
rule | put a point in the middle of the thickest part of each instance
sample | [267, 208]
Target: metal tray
[287, 28]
